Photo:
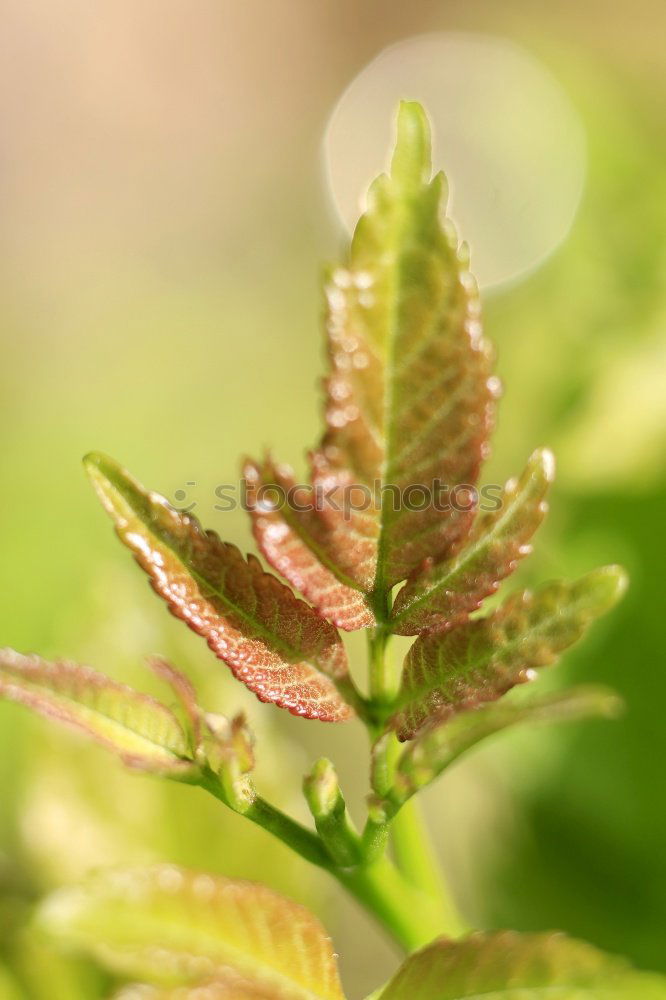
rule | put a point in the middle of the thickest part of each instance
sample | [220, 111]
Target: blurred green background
[164, 219]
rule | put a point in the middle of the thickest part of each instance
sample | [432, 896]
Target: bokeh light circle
[510, 141]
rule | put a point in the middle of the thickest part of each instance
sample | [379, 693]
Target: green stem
[416, 860]
[377, 643]
[412, 851]
[409, 916]
[380, 682]
[283, 827]
[412, 918]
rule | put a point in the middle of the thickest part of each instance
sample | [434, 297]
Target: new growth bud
[322, 791]
[327, 805]
[228, 750]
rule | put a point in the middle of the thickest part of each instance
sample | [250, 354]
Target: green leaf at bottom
[511, 966]
[174, 928]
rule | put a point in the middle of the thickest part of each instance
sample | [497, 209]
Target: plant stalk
[415, 858]
[411, 917]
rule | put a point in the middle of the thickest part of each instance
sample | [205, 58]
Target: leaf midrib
[291, 654]
[400, 222]
[505, 649]
[322, 555]
[467, 556]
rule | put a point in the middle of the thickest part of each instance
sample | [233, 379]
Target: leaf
[409, 397]
[299, 544]
[134, 726]
[449, 672]
[443, 594]
[227, 749]
[185, 693]
[171, 927]
[511, 966]
[206, 991]
[439, 743]
[409, 400]
[275, 644]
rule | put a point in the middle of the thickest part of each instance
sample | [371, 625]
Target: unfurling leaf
[227, 749]
[439, 744]
[448, 672]
[443, 594]
[172, 927]
[299, 544]
[274, 643]
[183, 688]
[511, 966]
[409, 402]
[327, 805]
[134, 726]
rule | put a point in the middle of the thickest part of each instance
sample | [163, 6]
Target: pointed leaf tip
[411, 164]
[604, 587]
[409, 394]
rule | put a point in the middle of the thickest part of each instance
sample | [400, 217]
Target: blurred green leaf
[207, 991]
[439, 744]
[171, 927]
[508, 966]
[450, 672]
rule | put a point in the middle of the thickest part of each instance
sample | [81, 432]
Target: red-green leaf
[511, 966]
[440, 743]
[450, 672]
[134, 726]
[409, 401]
[171, 927]
[298, 542]
[444, 593]
[184, 690]
[277, 645]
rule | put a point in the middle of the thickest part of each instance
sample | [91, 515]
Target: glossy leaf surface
[453, 671]
[171, 927]
[312, 554]
[134, 726]
[512, 966]
[444, 594]
[274, 643]
[409, 397]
